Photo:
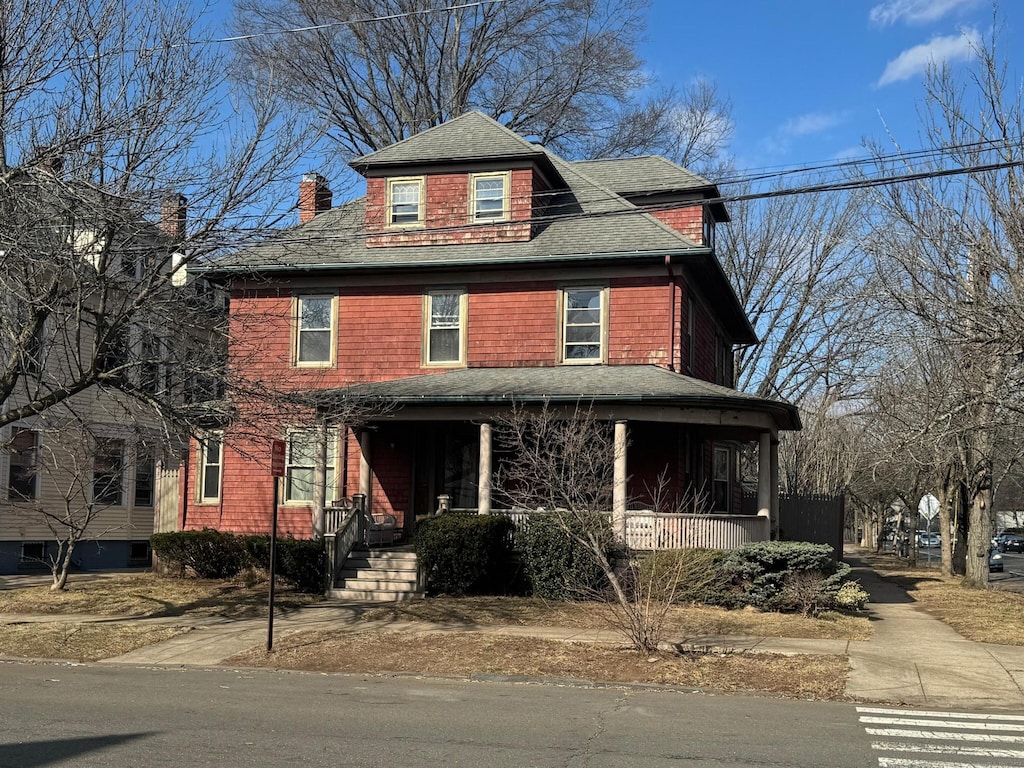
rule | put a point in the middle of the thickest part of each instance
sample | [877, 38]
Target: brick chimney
[314, 196]
[173, 210]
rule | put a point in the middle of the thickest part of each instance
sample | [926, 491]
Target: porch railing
[341, 539]
[647, 530]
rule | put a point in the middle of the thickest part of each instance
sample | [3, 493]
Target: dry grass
[149, 595]
[478, 654]
[982, 615]
[78, 641]
[681, 620]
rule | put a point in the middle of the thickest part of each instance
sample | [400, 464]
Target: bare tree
[948, 249]
[563, 71]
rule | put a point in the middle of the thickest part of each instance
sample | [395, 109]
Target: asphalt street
[83, 715]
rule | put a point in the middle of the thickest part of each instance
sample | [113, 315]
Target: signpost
[277, 454]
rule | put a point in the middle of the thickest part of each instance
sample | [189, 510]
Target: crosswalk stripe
[983, 726]
[947, 715]
[945, 749]
[900, 762]
[904, 733]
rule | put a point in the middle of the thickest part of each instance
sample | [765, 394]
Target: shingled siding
[447, 215]
[688, 221]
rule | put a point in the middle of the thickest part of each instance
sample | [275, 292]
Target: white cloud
[813, 122]
[918, 11]
[914, 61]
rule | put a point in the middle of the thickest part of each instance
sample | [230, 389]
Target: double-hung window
[210, 463]
[300, 466]
[314, 330]
[444, 320]
[489, 196]
[145, 476]
[405, 202]
[584, 321]
[108, 472]
[23, 466]
[720, 479]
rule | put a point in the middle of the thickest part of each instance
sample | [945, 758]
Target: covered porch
[431, 448]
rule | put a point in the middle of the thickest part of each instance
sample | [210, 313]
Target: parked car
[928, 540]
[995, 561]
[1012, 544]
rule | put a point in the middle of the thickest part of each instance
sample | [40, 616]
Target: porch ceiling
[638, 392]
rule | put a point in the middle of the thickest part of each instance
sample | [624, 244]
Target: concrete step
[373, 595]
[401, 574]
[388, 585]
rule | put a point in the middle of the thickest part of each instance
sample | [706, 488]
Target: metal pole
[273, 569]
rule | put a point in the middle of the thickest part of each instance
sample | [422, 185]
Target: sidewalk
[911, 659]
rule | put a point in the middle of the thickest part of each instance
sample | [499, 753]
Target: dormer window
[489, 196]
[405, 202]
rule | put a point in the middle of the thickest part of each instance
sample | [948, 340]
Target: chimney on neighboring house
[314, 196]
[173, 209]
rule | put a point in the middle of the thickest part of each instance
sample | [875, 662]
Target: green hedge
[789, 576]
[465, 554]
[558, 567]
[212, 554]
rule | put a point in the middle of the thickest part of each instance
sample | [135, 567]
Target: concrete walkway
[911, 659]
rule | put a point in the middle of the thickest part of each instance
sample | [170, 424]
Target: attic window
[490, 197]
[405, 202]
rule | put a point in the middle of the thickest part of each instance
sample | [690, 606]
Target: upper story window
[210, 463]
[108, 473]
[23, 465]
[300, 467]
[405, 202]
[584, 322]
[489, 196]
[314, 330]
[444, 323]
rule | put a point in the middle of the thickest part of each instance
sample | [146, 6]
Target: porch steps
[379, 576]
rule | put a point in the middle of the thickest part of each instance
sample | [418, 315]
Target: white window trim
[204, 467]
[124, 489]
[297, 331]
[562, 310]
[427, 328]
[389, 211]
[330, 492]
[506, 210]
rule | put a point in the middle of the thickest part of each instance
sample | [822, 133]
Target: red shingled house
[481, 270]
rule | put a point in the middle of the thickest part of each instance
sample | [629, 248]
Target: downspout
[671, 314]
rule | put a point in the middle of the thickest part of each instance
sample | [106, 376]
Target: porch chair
[380, 527]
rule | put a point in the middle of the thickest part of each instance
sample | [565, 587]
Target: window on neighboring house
[720, 479]
[490, 196]
[300, 467]
[314, 330]
[445, 318]
[583, 324]
[149, 362]
[405, 202]
[32, 351]
[210, 463]
[145, 476]
[112, 348]
[23, 465]
[108, 472]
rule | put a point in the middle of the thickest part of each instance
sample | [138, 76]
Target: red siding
[689, 221]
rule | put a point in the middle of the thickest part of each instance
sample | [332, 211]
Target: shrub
[299, 561]
[463, 554]
[785, 576]
[684, 575]
[558, 566]
[208, 553]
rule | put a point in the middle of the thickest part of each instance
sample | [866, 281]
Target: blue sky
[810, 79]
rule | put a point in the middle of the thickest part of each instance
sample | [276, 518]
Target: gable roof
[470, 137]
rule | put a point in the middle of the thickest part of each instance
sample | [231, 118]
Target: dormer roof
[471, 138]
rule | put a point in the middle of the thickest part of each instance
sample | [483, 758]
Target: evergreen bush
[465, 554]
[558, 566]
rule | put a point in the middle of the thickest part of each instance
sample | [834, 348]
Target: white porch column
[764, 476]
[483, 490]
[774, 461]
[619, 482]
[319, 479]
[365, 476]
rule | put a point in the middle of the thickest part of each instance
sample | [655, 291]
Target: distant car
[928, 540]
[995, 561]
[1012, 544]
